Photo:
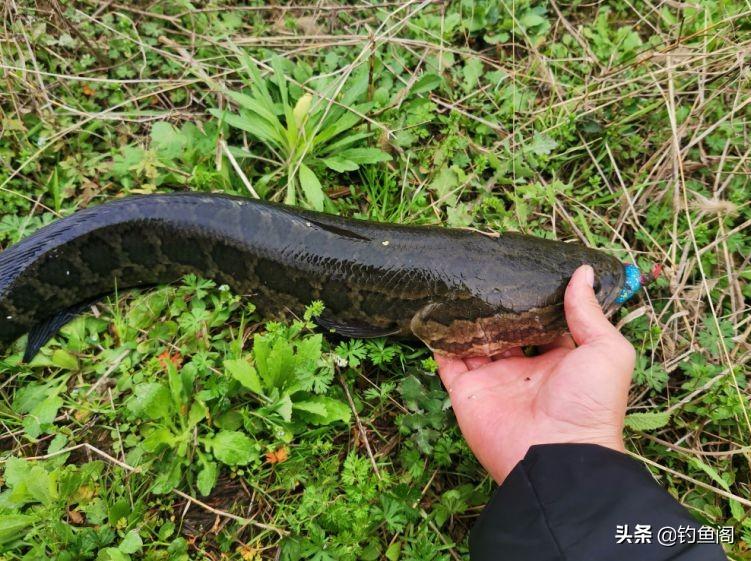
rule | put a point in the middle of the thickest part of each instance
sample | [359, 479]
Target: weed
[304, 132]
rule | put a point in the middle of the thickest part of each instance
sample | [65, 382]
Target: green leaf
[394, 551]
[735, 507]
[346, 141]
[651, 420]
[653, 375]
[281, 80]
[337, 163]
[311, 187]
[242, 371]
[57, 443]
[412, 391]
[159, 438]
[283, 407]
[42, 485]
[150, 401]
[357, 86]
[530, 19]
[472, 71]
[207, 478]
[123, 164]
[131, 543]
[308, 352]
[322, 410]
[426, 83]
[16, 470]
[459, 216]
[197, 413]
[710, 471]
[501, 37]
[310, 406]
[365, 155]
[27, 397]
[255, 106]
[166, 531]
[254, 125]
[65, 360]
[542, 144]
[55, 187]
[258, 84]
[233, 448]
[371, 552]
[29, 483]
[13, 525]
[274, 361]
[112, 554]
[167, 141]
[737, 510]
[343, 124]
[168, 477]
[446, 182]
[713, 340]
[42, 415]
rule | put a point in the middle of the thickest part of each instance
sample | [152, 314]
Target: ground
[175, 424]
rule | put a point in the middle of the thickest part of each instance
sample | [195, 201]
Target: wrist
[614, 442]
[499, 470]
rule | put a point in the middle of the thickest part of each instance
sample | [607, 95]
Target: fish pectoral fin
[358, 331]
[44, 331]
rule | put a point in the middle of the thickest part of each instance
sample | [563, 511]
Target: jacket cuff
[567, 501]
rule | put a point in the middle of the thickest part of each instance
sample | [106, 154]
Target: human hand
[568, 393]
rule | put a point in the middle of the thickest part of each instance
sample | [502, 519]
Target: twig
[435, 528]
[109, 371]
[226, 514]
[101, 59]
[690, 479]
[691, 451]
[86, 446]
[360, 428]
[236, 167]
[572, 31]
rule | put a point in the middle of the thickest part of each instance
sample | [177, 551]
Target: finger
[449, 369]
[562, 342]
[586, 321]
[476, 362]
[509, 353]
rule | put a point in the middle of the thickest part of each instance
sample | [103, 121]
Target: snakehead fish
[460, 292]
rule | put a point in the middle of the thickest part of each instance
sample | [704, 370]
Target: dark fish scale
[460, 292]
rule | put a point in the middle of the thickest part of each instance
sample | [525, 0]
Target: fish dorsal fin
[44, 331]
[358, 331]
[337, 229]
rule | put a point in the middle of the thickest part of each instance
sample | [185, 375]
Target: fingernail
[589, 276]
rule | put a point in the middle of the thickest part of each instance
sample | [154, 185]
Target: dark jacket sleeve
[565, 502]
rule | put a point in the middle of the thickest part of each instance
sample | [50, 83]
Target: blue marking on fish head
[631, 284]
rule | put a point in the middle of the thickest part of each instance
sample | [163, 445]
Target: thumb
[586, 321]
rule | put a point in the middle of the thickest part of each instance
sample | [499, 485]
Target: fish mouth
[610, 305]
[609, 290]
[631, 281]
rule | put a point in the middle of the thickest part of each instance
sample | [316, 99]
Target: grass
[175, 424]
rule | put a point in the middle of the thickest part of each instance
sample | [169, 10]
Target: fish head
[488, 319]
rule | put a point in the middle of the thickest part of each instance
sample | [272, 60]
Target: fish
[460, 292]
